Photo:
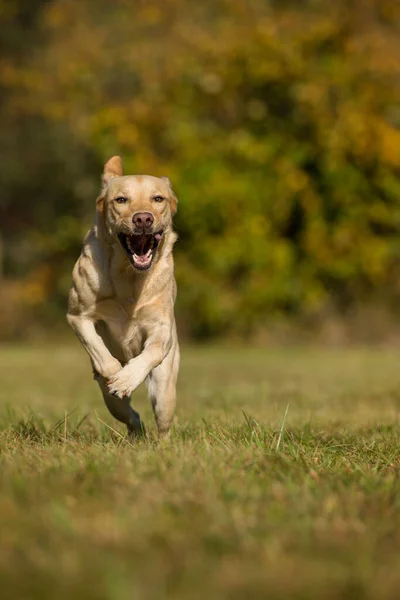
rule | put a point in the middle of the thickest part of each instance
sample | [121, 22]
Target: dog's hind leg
[161, 384]
[120, 409]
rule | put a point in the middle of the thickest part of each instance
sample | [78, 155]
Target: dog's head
[137, 211]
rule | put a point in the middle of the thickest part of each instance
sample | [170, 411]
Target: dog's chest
[120, 328]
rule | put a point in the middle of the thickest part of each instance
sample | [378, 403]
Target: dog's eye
[121, 200]
[158, 198]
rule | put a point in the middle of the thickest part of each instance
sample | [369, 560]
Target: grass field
[281, 479]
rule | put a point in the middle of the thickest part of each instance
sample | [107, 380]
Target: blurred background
[278, 123]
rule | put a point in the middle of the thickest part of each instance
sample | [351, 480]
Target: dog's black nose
[143, 220]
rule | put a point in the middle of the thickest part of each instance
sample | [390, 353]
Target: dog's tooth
[148, 253]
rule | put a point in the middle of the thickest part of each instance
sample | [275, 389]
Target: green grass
[281, 479]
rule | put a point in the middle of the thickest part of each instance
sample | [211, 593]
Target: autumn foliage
[278, 123]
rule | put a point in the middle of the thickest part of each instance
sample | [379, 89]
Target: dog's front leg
[161, 384]
[137, 369]
[103, 361]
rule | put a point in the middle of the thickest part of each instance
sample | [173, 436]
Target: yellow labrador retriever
[121, 304]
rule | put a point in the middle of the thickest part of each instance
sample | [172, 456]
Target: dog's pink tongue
[142, 260]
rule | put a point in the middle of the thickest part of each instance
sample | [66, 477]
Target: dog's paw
[124, 382]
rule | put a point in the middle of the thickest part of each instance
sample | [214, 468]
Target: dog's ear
[112, 168]
[174, 199]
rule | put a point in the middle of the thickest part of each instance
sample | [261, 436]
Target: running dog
[121, 304]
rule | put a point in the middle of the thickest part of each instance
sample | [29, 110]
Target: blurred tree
[277, 122]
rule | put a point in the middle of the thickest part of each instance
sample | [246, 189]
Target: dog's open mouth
[140, 248]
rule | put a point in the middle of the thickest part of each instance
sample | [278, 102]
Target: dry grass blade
[123, 438]
[282, 428]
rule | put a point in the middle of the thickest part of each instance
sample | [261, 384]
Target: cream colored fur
[123, 317]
